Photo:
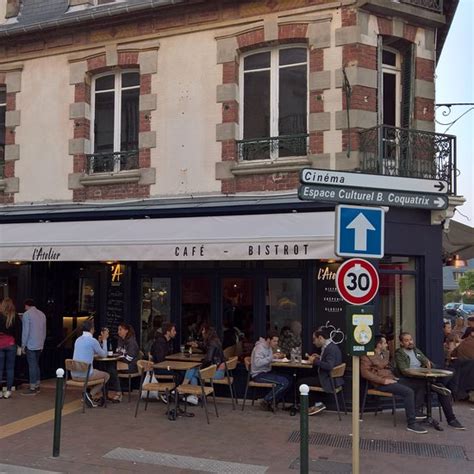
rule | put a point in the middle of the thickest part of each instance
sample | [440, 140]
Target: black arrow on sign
[439, 186]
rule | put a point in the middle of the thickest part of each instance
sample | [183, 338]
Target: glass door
[195, 306]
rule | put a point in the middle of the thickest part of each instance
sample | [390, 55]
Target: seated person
[470, 324]
[162, 347]
[407, 356]
[85, 348]
[463, 386]
[377, 370]
[451, 341]
[459, 327]
[261, 369]
[447, 329]
[323, 363]
[128, 348]
[214, 355]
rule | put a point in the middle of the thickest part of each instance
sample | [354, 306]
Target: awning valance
[234, 237]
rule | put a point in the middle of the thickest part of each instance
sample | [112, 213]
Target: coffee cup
[110, 353]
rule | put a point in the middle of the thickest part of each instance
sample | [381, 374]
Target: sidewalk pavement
[109, 440]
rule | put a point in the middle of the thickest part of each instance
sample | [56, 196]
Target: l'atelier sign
[40, 254]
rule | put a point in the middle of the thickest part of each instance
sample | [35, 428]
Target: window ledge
[120, 177]
[270, 166]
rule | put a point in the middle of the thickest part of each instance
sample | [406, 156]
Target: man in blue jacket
[323, 363]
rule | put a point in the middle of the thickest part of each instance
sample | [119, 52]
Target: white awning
[247, 237]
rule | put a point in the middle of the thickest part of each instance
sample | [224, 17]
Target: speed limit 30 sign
[357, 281]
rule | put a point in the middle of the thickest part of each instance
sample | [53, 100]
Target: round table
[430, 376]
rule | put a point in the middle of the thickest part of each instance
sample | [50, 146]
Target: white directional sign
[357, 281]
[374, 181]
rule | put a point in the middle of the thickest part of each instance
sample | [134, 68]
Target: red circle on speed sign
[357, 281]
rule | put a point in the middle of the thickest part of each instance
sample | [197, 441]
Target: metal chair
[85, 368]
[230, 365]
[206, 376]
[129, 375]
[146, 368]
[377, 393]
[336, 372]
[252, 384]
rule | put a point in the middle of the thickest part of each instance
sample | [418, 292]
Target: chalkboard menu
[330, 307]
[115, 298]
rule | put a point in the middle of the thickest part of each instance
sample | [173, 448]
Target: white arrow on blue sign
[360, 231]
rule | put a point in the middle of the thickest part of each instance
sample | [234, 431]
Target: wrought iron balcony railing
[112, 162]
[272, 147]
[404, 152]
[435, 5]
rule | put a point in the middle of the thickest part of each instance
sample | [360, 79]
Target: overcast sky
[455, 76]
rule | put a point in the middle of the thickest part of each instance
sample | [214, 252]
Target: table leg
[293, 409]
[429, 419]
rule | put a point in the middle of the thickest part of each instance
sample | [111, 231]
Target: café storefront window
[155, 308]
[283, 311]
[397, 298]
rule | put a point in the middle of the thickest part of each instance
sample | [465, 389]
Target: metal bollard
[58, 412]
[304, 456]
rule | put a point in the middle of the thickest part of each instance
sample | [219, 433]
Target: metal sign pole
[355, 415]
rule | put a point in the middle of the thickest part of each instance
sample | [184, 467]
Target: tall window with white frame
[115, 122]
[275, 104]
[3, 108]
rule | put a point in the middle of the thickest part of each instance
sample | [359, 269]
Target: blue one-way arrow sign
[359, 231]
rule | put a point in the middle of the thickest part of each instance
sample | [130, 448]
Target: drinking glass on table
[182, 348]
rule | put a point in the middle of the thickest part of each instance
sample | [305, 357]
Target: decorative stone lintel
[121, 177]
[444, 216]
[269, 166]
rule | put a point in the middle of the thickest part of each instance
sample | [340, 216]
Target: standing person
[408, 356]
[85, 348]
[214, 355]
[378, 371]
[32, 343]
[323, 364]
[261, 369]
[10, 337]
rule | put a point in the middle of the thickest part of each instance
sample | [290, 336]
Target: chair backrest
[248, 363]
[76, 366]
[145, 365]
[232, 363]
[208, 373]
[338, 371]
[229, 351]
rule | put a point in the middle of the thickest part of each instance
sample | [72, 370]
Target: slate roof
[43, 14]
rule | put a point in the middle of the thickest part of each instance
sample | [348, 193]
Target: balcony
[393, 151]
[111, 162]
[272, 147]
[435, 5]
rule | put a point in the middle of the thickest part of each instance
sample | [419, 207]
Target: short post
[304, 457]
[58, 412]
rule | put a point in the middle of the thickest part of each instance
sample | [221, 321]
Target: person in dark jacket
[163, 346]
[10, 338]
[323, 364]
[127, 346]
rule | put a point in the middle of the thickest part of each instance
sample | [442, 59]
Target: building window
[3, 108]
[275, 104]
[115, 122]
[457, 275]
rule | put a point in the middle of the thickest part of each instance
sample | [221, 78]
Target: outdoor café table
[430, 376]
[104, 362]
[295, 366]
[177, 365]
[186, 357]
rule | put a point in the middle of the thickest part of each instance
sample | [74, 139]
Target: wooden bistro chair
[254, 385]
[228, 379]
[373, 392]
[336, 372]
[83, 367]
[230, 352]
[206, 388]
[146, 369]
[129, 375]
